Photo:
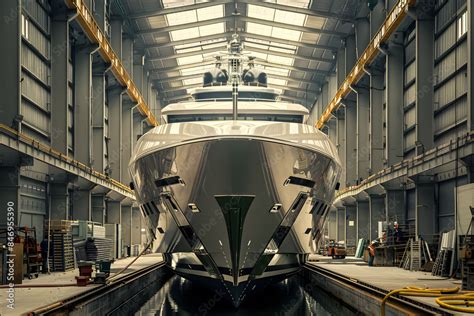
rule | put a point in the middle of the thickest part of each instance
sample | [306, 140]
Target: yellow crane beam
[390, 25]
[95, 35]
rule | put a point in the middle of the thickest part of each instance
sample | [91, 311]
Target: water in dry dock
[291, 297]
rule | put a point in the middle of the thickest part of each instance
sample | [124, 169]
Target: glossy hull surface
[234, 211]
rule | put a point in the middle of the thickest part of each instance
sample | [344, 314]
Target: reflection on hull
[290, 297]
[235, 213]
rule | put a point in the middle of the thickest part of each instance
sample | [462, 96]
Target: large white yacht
[234, 185]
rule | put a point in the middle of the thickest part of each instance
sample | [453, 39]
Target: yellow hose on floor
[417, 291]
[466, 299]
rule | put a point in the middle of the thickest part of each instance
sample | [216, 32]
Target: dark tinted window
[247, 117]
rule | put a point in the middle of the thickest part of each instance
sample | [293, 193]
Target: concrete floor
[387, 278]
[28, 299]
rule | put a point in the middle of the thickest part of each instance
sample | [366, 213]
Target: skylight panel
[259, 29]
[181, 17]
[277, 71]
[188, 50]
[191, 81]
[184, 34]
[259, 12]
[280, 60]
[290, 17]
[211, 29]
[282, 50]
[276, 81]
[250, 44]
[287, 34]
[194, 70]
[180, 3]
[189, 59]
[208, 13]
[292, 3]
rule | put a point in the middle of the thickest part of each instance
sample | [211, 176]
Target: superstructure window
[224, 117]
[462, 24]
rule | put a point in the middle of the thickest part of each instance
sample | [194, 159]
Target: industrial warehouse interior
[236, 157]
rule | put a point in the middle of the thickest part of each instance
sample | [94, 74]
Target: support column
[363, 219]
[424, 76]
[59, 201]
[350, 53]
[351, 142]
[136, 226]
[98, 118]
[341, 142]
[395, 206]
[82, 124]
[126, 225]
[351, 228]
[127, 141]
[362, 149]
[377, 214]
[394, 100]
[332, 223]
[341, 224]
[376, 122]
[426, 213]
[59, 80]
[98, 208]
[341, 66]
[114, 212]
[82, 205]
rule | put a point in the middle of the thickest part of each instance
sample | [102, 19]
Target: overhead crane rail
[390, 25]
[440, 155]
[95, 35]
[12, 138]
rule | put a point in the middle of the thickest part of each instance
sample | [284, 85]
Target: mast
[234, 67]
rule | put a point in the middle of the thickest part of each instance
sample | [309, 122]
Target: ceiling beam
[291, 26]
[257, 62]
[184, 26]
[198, 85]
[244, 36]
[240, 18]
[255, 49]
[177, 78]
[163, 11]
[311, 12]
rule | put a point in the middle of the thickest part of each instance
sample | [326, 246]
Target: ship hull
[235, 212]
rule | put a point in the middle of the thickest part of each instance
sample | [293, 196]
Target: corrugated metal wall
[450, 82]
[409, 95]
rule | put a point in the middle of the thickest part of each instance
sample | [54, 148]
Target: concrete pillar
[363, 147]
[127, 141]
[395, 206]
[59, 80]
[137, 129]
[377, 214]
[341, 224]
[426, 216]
[350, 53]
[332, 223]
[83, 120]
[362, 34]
[114, 212]
[136, 226]
[394, 100]
[341, 66]
[351, 142]
[376, 153]
[363, 220]
[59, 201]
[341, 142]
[98, 118]
[115, 96]
[127, 55]
[126, 225]
[82, 205]
[100, 14]
[424, 76]
[10, 62]
[98, 208]
[351, 228]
